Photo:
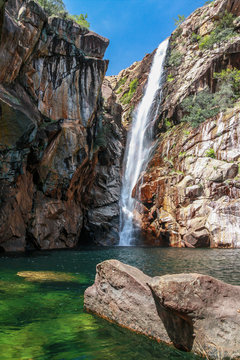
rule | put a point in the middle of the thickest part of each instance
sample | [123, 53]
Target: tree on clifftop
[80, 20]
[180, 19]
[57, 7]
[52, 7]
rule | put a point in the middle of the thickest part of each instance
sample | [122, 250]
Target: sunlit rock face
[193, 198]
[189, 195]
[51, 109]
[121, 83]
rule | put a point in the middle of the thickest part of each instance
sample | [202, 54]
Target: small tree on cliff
[52, 7]
[80, 20]
[57, 7]
[180, 19]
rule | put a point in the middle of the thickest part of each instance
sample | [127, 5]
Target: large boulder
[194, 312]
[121, 294]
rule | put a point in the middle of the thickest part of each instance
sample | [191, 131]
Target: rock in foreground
[194, 312]
[121, 294]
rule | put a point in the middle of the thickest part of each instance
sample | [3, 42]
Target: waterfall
[140, 143]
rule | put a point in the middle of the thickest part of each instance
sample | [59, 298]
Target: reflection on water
[44, 319]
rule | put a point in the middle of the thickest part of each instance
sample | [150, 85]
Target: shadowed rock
[55, 165]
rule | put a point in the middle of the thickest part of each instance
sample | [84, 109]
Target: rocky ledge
[193, 312]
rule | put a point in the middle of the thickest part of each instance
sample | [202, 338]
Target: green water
[44, 320]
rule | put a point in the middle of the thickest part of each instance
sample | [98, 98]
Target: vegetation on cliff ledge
[175, 58]
[199, 107]
[205, 105]
[126, 98]
[57, 8]
[223, 31]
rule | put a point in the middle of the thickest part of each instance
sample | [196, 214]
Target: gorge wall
[189, 195]
[60, 133]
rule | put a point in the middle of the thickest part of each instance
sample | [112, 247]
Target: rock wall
[189, 195]
[52, 163]
[138, 72]
[193, 198]
[101, 223]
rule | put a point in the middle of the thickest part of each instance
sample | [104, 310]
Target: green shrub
[182, 154]
[167, 123]
[130, 113]
[210, 153]
[80, 20]
[126, 98]
[57, 8]
[199, 107]
[205, 105]
[229, 76]
[175, 58]
[121, 82]
[195, 37]
[119, 85]
[119, 90]
[225, 97]
[176, 34]
[170, 78]
[229, 90]
[206, 42]
[180, 19]
[209, 2]
[52, 7]
[224, 31]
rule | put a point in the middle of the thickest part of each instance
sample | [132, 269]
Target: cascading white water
[140, 142]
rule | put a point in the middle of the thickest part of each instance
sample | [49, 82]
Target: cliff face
[129, 86]
[189, 195]
[60, 140]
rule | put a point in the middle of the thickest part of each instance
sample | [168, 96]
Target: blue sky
[134, 27]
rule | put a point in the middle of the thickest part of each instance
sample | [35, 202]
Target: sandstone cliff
[189, 195]
[129, 85]
[60, 138]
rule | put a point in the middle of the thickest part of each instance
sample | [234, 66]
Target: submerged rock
[46, 276]
[194, 312]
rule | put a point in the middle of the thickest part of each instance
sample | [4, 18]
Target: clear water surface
[44, 320]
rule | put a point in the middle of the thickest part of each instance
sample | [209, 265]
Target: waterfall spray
[140, 143]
